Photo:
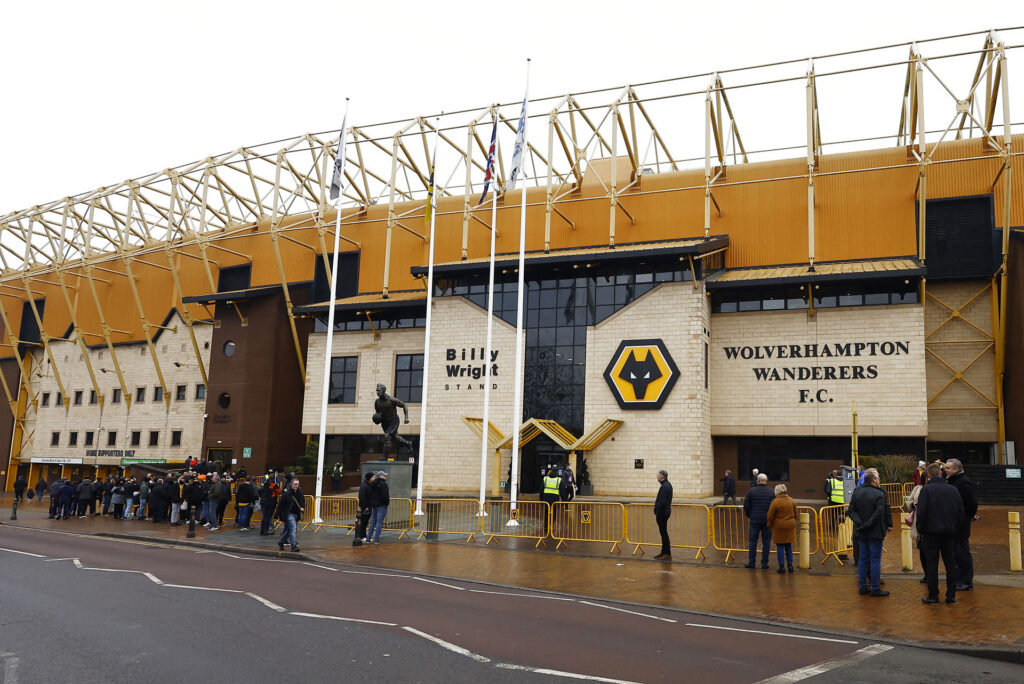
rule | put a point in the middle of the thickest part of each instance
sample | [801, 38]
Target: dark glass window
[200, 391]
[54, 439]
[409, 377]
[140, 394]
[46, 399]
[72, 439]
[60, 399]
[154, 437]
[175, 437]
[116, 396]
[112, 438]
[343, 380]
[136, 437]
[230, 348]
[179, 392]
[93, 399]
[78, 397]
[88, 438]
[158, 393]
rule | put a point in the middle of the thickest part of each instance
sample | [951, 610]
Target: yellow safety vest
[551, 485]
[836, 496]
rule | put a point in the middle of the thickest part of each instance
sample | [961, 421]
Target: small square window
[60, 399]
[200, 391]
[78, 397]
[116, 397]
[154, 437]
[158, 393]
[343, 380]
[179, 392]
[88, 438]
[175, 437]
[93, 399]
[136, 437]
[140, 394]
[112, 438]
[72, 439]
[54, 439]
[46, 399]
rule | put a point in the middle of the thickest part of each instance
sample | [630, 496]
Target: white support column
[707, 163]
[612, 191]
[810, 166]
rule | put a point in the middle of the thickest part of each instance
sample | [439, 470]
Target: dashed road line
[442, 584]
[781, 634]
[322, 567]
[509, 593]
[449, 645]
[631, 612]
[559, 673]
[10, 668]
[23, 553]
[378, 574]
[344, 619]
[268, 604]
[820, 668]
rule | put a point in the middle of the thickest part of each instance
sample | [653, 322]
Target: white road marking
[781, 634]
[343, 619]
[322, 567]
[559, 673]
[268, 604]
[10, 668]
[631, 612]
[262, 560]
[187, 586]
[54, 560]
[23, 553]
[450, 586]
[813, 670]
[378, 574]
[509, 593]
[448, 645]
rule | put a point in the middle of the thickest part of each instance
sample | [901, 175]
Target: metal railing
[533, 518]
[894, 493]
[835, 532]
[730, 530]
[689, 527]
[448, 516]
[589, 521]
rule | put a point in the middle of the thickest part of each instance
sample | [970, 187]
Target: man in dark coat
[245, 498]
[363, 514]
[19, 488]
[40, 488]
[289, 511]
[268, 503]
[54, 497]
[956, 476]
[662, 512]
[65, 500]
[728, 488]
[380, 499]
[755, 506]
[940, 513]
[872, 520]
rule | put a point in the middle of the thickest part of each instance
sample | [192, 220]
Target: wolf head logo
[639, 373]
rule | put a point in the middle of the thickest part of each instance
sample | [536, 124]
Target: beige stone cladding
[459, 329]
[137, 365]
[675, 437]
[958, 325]
[812, 369]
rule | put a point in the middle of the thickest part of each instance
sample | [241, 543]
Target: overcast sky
[101, 91]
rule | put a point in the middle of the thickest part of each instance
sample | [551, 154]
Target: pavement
[984, 622]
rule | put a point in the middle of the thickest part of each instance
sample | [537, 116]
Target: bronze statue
[386, 415]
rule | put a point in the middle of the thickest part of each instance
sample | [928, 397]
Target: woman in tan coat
[782, 522]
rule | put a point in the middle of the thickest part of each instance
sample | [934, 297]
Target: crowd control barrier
[448, 516]
[533, 518]
[894, 493]
[730, 530]
[589, 521]
[338, 512]
[689, 527]
[835, 532]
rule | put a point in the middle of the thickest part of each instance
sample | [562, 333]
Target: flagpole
[432, 207]
[485, 442]
[339, 164]
[517, 402]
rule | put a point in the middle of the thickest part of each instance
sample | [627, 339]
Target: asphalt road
[83, 609]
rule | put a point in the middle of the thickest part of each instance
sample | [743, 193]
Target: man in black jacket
[962, 539]
[662, 511]
[245, 497]
[268, 503]
[940, 513]
[363, 514]
[380, 499]
[289, 511]
[728, 488]
[872, 520]
[755, 506]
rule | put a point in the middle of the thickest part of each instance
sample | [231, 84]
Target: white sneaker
[214, 529]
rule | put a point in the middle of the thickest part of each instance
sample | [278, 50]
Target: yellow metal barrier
[590, 521]
[399, 517]
[448, 516]
[689, 527]
[812, 514]
[730, 530]
[307, 515]
[894, 493]
[908, 488]
[533, 518]
[339, 512]
[835, 532]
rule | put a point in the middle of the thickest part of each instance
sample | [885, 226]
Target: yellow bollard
[1015, 561]
[805, 541]
[907, 548]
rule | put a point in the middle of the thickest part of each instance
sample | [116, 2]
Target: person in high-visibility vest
[834, 486]
[551, 484]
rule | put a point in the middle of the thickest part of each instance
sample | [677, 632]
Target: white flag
[339, 162]
[517, 153]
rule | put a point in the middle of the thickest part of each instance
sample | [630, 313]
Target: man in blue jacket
[755, 506]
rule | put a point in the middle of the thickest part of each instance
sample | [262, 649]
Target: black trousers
[964, 560]
[666, 545]
[934, 546]
[727, 496]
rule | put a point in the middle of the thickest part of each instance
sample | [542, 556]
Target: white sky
[97, 92]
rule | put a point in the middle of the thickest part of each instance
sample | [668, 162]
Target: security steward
[551, 485]
[835, 489]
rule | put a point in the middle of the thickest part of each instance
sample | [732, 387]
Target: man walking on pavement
[755, 506]
[289, 511]
[956, 476]
[940, 513]
[380, 498]
[872, 520]
[268, 503]
[662, 512]
[728, 488]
